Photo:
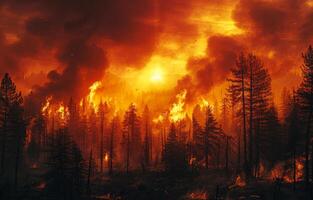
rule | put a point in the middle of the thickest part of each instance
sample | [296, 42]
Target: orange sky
[143, 50]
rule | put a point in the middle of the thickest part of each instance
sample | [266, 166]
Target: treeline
[74, 144]
[264, 139]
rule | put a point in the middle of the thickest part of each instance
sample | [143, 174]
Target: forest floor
[213, 184]
[156, 185]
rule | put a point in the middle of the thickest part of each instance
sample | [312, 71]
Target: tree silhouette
[197, 138]
[103, 110]
[146, 125]
[259, 96]
[131, 136]
[12, 127]
[210, 137]
[66, 168]
[305, 92]
[175, 158]
[238, 90]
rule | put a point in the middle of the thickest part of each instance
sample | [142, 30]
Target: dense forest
[78, 150]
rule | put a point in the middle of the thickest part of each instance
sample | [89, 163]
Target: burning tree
[103, 111]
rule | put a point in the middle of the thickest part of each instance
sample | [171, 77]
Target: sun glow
[156, 76]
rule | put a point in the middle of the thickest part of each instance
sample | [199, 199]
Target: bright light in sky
[156, 75]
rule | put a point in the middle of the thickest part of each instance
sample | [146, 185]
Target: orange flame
[41, 186]
[91, 96]
[203, 103]
[62, 111]
[47, 105]
[158, 119]
[106, 157]
[177, 112]
[287, 175]
[240, 182]
[198, 195]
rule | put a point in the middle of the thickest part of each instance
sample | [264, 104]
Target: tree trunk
[307, 143]
[244, 122]
[226, 155]
[89, 174]
[111, 148]
[257, 153]
[128, 152]
[17, 159]
[147, 148]
[239, 152]
[294, 169]
[311, 162]
[251, 122]
[4, 140]
[101, 143]
[218, 154]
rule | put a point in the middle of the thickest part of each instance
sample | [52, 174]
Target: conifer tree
[12, 129]
[210, 136]
[175, 158]
[237, 90]
[103, 110]
[306, 101]
[146, 125]
[66, 168]
[131, 137]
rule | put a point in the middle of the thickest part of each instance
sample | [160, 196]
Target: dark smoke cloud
[72, 40]
[79, 36]
[71, 32]
[276, 31]
[211, 70]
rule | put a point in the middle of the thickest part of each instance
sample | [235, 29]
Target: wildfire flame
[240, 182]
[203, 103]
[287, 175]
[91, 96]
[47, 105]
[81, 103]
[158, 119]
[177, 112]
[106, 157]
[198, 195]
[41, 186]
[62, 111]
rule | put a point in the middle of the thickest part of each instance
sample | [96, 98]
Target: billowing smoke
[277, 31]
[57, 47]
[74, 35]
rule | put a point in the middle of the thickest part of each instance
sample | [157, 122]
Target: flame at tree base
[288, 174]
[240, 182]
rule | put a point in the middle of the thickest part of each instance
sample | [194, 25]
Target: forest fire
[147, 97]
[158, 119]
[240, 182]
[91, 96]
[177, 111]
[204, 104]
[62, 111]
[45, 108]
[288, 174]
